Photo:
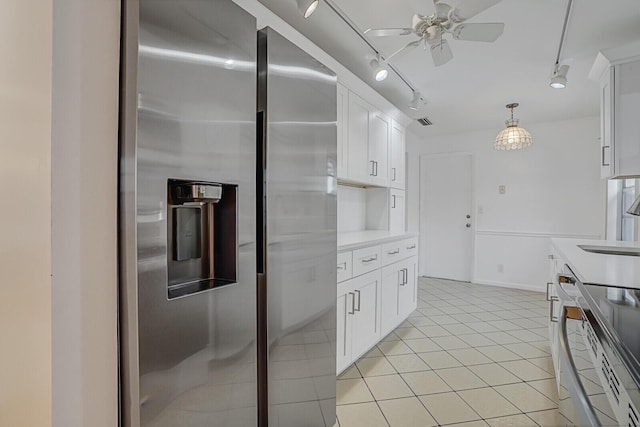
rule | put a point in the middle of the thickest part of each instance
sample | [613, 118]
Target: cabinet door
[344, 311]
[408, 292]
[343, 135]
[365, 329]
[626, 113]
[397, 160]
[607, 148]
[396, 210]
[358, 137]
[392, 277]
[379, 132]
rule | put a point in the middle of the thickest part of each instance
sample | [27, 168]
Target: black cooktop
[618, 311]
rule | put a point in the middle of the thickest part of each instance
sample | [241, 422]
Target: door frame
[474, 210]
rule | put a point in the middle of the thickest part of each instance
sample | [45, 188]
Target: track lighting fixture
[416, 101]
[380, 72]
[307, 7]
[559, 77]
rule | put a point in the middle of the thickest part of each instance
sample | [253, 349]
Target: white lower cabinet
[358, 317]
[372, 301]
[399, 293]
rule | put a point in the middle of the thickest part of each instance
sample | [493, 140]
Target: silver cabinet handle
[341, 264]
[574, 385]
[602, 163]
[397, 251]
[552, 318]
[394, 174]
[548, 297]
[411, 247]
[375, 163]
[394, 201]
[373, 168]
[406, 276]
[358, 292]
[353, 303]
[400, 277]
[374, 258]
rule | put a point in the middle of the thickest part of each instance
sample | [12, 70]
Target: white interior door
[446, 222]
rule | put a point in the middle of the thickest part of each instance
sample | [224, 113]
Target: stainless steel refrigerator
[227, 222]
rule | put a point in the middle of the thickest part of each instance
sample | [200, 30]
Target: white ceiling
[470, 92]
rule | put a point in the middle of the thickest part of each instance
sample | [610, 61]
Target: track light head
[307, 7]
[559, 77]
[416, 101]
[380, 73]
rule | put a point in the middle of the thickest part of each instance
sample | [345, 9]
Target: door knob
[468, 216]
[468, 225]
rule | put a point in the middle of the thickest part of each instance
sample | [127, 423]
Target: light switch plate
[502, 189]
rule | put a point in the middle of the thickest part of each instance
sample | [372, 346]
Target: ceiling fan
[445, 20]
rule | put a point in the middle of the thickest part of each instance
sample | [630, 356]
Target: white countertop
[357, 239]
[602, 269]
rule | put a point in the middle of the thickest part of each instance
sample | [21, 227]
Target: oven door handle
[582, 406]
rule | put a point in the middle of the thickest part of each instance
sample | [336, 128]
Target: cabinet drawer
[366, 260]
[410, 247]
[392, 252]
[344, 266]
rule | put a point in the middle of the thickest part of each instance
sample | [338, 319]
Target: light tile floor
[470, 355]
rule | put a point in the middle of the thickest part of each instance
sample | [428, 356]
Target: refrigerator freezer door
[189, 360]
[301, 138]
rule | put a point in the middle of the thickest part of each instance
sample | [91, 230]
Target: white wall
[86, 37]
[352, 208]
[25, 217]
[553, 189]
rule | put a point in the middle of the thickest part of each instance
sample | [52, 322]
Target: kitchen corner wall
[25, 217]
[86, 41]
[553, 189]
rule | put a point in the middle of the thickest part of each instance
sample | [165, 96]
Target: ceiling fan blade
[441, 53]
[478, 32]
[384, 32]
[404, 49]
[470, 8]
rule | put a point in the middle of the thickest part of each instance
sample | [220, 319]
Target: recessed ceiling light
[307, 7]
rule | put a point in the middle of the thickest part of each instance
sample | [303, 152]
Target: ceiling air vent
[425, 121]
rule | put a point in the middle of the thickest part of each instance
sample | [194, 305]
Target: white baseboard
[522, 286]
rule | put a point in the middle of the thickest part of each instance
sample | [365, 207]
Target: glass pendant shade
[512, 137]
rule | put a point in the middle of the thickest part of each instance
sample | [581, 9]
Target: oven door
[582, 399]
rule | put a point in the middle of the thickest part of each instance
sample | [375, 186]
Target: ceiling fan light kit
[445, 20]
[380, 72]
[512, 137]
[307, 7]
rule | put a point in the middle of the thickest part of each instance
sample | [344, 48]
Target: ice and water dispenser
[202, 249]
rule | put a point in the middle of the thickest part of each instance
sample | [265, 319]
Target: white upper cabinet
[343, 131]
[358, 139]
[397, 156]
[379, 135]
[368, 135]
[396, 210]
[618, 71]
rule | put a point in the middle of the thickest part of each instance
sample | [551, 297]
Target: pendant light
[512, 137]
